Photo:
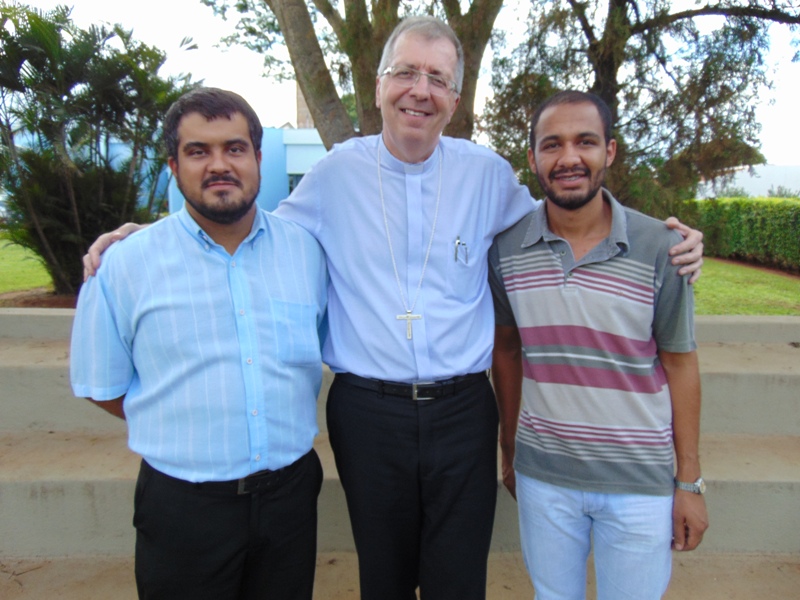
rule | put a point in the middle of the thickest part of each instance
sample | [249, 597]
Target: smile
[570, 176]
[414, 113]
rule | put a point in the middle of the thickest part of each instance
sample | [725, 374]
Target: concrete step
[66, 494]
[54, 323]
[747, 388]
[695, 576]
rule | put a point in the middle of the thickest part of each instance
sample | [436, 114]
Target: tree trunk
[313, 77]
[474, 29]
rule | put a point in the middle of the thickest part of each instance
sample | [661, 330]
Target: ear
[378, 92]
[455, 106]
[531, 160]
[611, 151]
[258, 158]
[173, 165]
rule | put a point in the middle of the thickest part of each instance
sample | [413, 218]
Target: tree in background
[68, 98]
[683, 100]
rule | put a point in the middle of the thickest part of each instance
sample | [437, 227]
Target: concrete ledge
[68, 494]
[734, 328]
[36, 323]
[56, 323]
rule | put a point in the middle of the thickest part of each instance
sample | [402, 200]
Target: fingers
[91, 260]
[689, 252]
[689, 521]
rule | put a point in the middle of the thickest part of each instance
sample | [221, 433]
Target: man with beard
[595, 338]
[202, 333]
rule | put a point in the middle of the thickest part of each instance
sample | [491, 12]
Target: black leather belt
[424, 390]
[260, 481]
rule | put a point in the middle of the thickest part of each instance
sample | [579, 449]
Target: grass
[724, 288]
[738, 289]
[20, 269]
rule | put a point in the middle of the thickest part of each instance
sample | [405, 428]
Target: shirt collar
[393, 163]
[197, 232]
[538, 229]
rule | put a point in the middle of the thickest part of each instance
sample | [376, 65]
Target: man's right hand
[91, 260]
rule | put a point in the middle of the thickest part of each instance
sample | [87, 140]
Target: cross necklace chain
[409, 315]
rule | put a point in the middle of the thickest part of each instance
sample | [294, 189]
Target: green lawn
[734, 289]
[20, 269]
[724, 289]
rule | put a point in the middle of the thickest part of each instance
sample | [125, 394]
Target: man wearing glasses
[406, 219]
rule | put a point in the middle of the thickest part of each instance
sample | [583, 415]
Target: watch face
[701, 485]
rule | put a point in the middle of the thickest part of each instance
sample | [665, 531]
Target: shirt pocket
[296, 332]
[463, 272]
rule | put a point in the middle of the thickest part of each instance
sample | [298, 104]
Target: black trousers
[420, 478]
[206, 541]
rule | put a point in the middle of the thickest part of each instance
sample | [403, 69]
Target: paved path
[696, 576]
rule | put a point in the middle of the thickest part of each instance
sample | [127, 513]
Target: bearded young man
[202, 333]
[595, 337]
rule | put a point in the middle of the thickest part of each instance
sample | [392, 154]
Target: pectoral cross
[408, 317]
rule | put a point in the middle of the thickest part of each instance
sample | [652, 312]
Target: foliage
[728, 288]
[68, 98]
[760, 230]
[782, 192]
[683, 99]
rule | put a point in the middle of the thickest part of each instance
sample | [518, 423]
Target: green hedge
[762, 230]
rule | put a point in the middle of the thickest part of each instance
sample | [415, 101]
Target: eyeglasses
[407, 77]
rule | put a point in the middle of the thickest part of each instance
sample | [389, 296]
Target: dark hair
[573, 97]
[211, 103]
[429, 28]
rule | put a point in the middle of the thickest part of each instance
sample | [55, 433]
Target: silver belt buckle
[414, 391]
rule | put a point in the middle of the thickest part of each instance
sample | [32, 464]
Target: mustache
[573, 171]
[221, 178]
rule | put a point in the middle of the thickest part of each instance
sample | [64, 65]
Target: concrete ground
[697, 576]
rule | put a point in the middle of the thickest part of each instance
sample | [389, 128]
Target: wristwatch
[698, 487]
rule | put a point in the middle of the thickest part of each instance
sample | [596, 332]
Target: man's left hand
[689, 520]
[689, 252]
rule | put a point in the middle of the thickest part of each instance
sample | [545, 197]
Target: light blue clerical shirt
[339, 202]
[218, 356]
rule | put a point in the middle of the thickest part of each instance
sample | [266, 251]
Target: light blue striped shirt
[339, 202]
[218, 356]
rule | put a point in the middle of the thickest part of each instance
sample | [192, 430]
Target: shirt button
[258, 457]
[241, 311]
[255, 412]
[233, 264]
[249, 361]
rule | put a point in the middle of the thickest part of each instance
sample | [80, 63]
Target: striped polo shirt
[596, 412]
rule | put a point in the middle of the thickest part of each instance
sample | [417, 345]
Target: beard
[572, 200]
[225, 212]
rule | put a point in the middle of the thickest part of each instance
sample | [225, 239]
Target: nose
[421, 86]
[570, 156]
[218, 163]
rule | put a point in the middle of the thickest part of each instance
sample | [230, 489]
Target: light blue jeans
[632, 539]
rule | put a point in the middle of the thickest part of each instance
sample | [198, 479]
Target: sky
[164, 23]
